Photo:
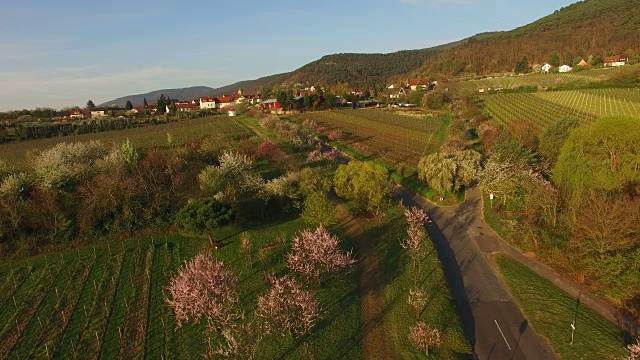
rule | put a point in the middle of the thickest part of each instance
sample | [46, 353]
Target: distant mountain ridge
[195, 92]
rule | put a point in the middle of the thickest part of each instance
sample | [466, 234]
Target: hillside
[365, 69]
[195, 92]
[590, 27]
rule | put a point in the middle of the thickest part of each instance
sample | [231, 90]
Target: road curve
[492, 319]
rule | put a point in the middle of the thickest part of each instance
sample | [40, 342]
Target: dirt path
[369, 287]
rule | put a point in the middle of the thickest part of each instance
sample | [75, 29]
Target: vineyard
[397, 139]
[510, 82]
[176, 133]
[106, 301]
[543, 108]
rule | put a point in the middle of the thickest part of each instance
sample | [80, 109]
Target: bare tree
[240, 342]
[287, 307]
[607, 226]
[314, 253]
[423, 337]
[202, 288]
[416, 233]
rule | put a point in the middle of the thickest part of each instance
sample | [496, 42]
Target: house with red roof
[617, 60]
[76, 114]
[271, 104]
[414, 84]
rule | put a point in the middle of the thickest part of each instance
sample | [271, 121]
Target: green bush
[200, 216]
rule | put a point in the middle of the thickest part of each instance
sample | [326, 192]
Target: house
[612, 61]
[565, 68]
[76, 114]
[546, 68]
[399, 94]
[391, 87]
[97, 114]
[208, 103]
[227, 100]
[583, 63]
[185, 106]
[423, 83]
[270, 104]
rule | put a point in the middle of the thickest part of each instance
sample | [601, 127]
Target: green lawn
[551, 312]
[399, 278]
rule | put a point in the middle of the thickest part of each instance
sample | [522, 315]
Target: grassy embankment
[551, 312]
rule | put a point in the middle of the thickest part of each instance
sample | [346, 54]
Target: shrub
[319, 210]
[367, 184]
[200, 216]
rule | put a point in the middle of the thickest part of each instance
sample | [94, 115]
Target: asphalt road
[493, 322]
[492, 319]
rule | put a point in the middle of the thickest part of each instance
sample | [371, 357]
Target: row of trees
[203, 289]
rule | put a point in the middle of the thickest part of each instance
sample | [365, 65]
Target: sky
[65, 52]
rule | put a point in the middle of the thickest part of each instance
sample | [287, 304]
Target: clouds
[75, 85]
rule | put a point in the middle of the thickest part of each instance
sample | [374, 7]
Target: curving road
[492, 319]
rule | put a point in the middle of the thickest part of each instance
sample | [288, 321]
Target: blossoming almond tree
[634, 350]
[416, 233]
[423, 337]
[202, 288]
[314, 253]
[287, 307]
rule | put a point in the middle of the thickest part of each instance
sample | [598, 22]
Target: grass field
[143, 137]
[107, 301]
[551, 312]
[399, 277]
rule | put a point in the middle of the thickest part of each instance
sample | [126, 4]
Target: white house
[564, 68]
[546, 68]
[97, 114]
[613, 61]
[208, 103]
[391, 86]
[398, 95]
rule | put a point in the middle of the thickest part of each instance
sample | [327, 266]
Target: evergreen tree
[128, 106]
[145, 104]
[161, 104]
[522, 66]
[555, 60]
[90, 105]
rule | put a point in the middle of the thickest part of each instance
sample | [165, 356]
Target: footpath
[490, 242]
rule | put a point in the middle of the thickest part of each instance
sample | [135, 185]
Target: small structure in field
[565, 69]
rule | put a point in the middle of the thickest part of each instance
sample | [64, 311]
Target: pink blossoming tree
[314, 253]
[202, 288]
[423, 337]
[287, 307]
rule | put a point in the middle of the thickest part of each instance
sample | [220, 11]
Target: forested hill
[590, 27]
[364, 69]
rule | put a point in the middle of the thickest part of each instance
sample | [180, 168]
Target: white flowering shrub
[65, 163]
[15, 185]
[233, 180]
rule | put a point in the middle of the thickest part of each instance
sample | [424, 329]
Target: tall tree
[90, 105]
[555, 59]
[128, 106]
[161, 105]
[145, 104]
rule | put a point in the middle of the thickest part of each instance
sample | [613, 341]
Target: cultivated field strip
[165, 135]
[105, 302]
[394, 138]
[599, 103]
